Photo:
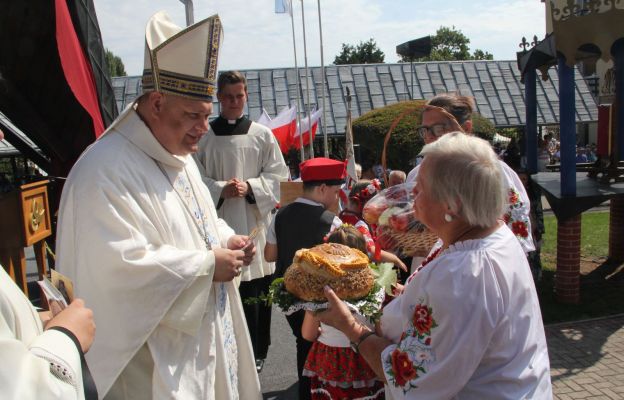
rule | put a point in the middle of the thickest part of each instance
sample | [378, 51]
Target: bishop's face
[181, 122]
[232, 98]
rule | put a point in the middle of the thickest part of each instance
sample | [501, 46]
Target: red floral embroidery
[513, 197]
[519, 228]
[402, 367]
[422, 319]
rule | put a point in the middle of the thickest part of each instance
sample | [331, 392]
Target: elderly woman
[468, 324]
[451, 112]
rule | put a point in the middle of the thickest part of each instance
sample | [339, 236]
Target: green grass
[594, 234]
[601, 289]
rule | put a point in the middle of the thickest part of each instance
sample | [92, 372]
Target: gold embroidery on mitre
[195, 87]
[179, 84]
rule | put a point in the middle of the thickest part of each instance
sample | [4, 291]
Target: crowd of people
[168, 223]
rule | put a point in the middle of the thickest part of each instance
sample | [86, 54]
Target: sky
[255, 37]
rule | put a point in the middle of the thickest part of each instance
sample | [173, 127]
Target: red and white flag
[307, 125]
[283, 126]
[264, 119]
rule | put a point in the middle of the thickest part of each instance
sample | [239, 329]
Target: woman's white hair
[464, 172]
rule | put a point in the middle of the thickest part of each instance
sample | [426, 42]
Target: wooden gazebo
[579, 32]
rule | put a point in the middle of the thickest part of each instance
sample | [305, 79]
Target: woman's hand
[397, 289]
[339, 316]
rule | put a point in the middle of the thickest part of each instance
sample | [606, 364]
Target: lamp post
[412, 50]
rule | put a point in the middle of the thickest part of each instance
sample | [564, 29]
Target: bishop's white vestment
[135, 230]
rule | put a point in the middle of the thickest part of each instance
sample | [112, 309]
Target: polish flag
[283, 126]
[307, 124]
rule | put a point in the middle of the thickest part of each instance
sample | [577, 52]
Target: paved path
[586, 360]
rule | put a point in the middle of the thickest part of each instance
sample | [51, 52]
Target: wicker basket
[414, 243]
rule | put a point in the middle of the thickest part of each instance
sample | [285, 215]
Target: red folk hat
[323, 170]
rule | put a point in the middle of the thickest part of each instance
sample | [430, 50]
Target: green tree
[450, 44]
[364, 53]
[115, 65]
[482, 55]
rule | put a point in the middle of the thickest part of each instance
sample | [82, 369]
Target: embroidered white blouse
[468, 326]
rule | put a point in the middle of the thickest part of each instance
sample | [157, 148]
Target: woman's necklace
[458, 238]
[201, 229]
[437, 252]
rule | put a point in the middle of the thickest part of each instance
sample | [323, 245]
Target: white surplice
[468, 326]
[36, 365]
[254, 157]
[135, 249]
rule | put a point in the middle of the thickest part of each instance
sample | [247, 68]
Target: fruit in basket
[372, 212]
[399, 222]
[384, 218]
[342, 268]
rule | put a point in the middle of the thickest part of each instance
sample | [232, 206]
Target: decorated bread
[342, 268]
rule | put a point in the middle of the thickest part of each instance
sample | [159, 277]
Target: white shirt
[272, 238]
[468, 326]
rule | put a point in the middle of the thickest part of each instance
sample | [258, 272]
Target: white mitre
[182, 61]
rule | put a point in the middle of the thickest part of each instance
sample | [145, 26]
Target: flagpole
[326, 153]
[292, 22]
[305, 57]
[350, 153]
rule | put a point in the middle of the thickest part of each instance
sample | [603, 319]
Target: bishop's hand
[228, 264]
[244, 243]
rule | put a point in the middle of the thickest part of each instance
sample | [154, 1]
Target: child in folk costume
[360, 194]
[335, 368]
[303, 224]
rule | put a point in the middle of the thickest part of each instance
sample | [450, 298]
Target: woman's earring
[448, 217]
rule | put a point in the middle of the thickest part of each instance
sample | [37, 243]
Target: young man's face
[180, 122]
[232, 99]
[330, 195]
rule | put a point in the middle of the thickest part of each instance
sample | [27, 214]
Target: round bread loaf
[342, 268]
